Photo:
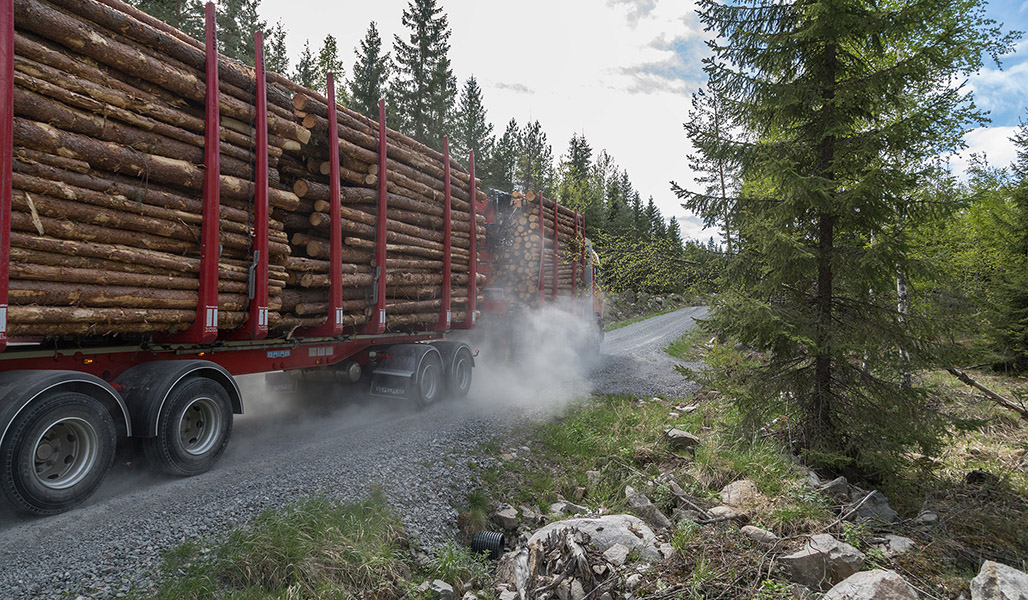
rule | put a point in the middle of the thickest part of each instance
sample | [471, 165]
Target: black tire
[193, 428]
[430, 380]
[57, 453]
[458, 380]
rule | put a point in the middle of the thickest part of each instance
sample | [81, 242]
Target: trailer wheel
[193, 428]
[429, 380]
[459, 381]
[57, 453]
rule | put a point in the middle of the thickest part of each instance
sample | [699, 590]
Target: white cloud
[993, 142]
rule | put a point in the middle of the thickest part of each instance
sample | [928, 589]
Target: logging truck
[171, 219]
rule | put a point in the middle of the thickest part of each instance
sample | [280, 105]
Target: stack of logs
[108, 178]
[526, 250]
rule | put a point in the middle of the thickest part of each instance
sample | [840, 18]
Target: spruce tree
[1010, 314]
[674, 235]
[577, 187]
[504, 159]
[471, 131]
[276, 57]
[534, 170]
[328, 62]
[186, 16]
[655, 227]
[841, 107]
[423, 89]
[370, 72]
[306, 73]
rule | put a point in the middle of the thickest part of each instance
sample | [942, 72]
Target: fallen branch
[851, 511]
[1004, 402]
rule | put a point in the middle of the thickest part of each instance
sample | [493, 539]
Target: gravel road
[282, 450]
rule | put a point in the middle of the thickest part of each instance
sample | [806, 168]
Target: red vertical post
[333, 325]
[445, 315]
[556, 249]
[205, 327]
[377, 322]
[583, 249]
[574, 262]
[542, 250]
[256, 326]
[6, 155]
[472, 306]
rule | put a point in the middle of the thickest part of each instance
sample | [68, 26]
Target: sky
[619, 71]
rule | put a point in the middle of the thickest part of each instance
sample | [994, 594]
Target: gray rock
[725, 512]
[685, 514]
[530, 515]
[505, 594]
[895, 545]
[875, 509]
[740, 493]
[605, 531]
[757, 534]
[996, 581]
[822, 562]
[656, 300]
[872, 585]
[667, 550]
[645, 509]
[616, 555]
[837, 489]
[469, 595]
[681, 440]
[564, 507]
[577, 589]
[591, 477]
[505, 516]
[633, 580]
[438, 589]
[926, 518]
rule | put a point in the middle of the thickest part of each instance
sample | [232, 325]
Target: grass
[690, 347]
[317, 548]
[627, 322]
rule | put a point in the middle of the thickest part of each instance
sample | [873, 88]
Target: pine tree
[535, 161]
[306, 73]
[655, 227]
[276, 57]
[472, 132]
[237, 21]
[576, 186]
[842, 106]
[423, 90]
[674, 235]
[184, 15]
[370, 72]
[328, 62]
[504, 159]
[1010, 313]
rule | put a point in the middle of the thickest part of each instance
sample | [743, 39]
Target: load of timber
[108, 181]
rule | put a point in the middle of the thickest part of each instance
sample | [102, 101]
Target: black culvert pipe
[488, 541]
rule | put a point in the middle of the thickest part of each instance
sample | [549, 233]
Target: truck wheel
[193, 428]
[57, 453]
[429, 381]
[459, 380]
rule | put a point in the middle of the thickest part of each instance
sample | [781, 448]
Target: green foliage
[423, 89]
[306, 73]
[370, 73]
[534, 167]
[186, 16]
[503, 162]
[656, 265]
[839, 111]
[472, 132]
[327, 62]
[458, 565]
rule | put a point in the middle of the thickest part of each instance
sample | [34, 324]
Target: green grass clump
[627, 322]
[316, 548]
[689, 347]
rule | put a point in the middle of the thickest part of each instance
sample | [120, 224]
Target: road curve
[285, 448]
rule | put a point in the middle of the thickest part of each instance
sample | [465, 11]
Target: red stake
[445, 315]
[333, 325]
[256, 327]
[377, 323]
[556, 249]
[574, 263]
[473, 207]
[542, 251]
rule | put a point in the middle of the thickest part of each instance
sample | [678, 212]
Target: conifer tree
[471, 131]
[184, 15]
[841, 107]
[328, 62]
[655, 227]
[306, 73]
[423, 89]
[1010, 315]
[370, 72]
[577, 187]
[534, 170]
[674, 234]
[276, 57]
[504, 159]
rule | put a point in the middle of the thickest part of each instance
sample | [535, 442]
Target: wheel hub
[200, 426]
[65, 453]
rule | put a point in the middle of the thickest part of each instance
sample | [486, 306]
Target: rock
[926, 518]
[837, 489]
[633, 580]
[616, 555]
[759, 535]
[667, 550]
[577, 590]
[591, 477]
[505, 516]
[605, 531]
[996, 581]
[469, 595]
[579, 491]
[512, 570]
[438, 589]
[681, 440]
[875, 509]
[725, 512]
[645, 509]
[895, 545]
[564, 507]
[685, 514]
[656, 300]
[740, 493]
[822, 562]
[872, 585]
[530, 515]
[626, 296]
[506, 594]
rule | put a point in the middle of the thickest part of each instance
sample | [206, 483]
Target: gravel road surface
[284, 449]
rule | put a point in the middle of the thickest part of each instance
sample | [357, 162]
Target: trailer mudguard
[447, 350]
[146, 387]
[19, 388]
[394, 376]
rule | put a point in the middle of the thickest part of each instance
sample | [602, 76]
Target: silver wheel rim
[199, 427]
[65, 453]
[461, 373]
[429, 382]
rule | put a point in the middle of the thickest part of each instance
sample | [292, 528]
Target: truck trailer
[171, 218]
